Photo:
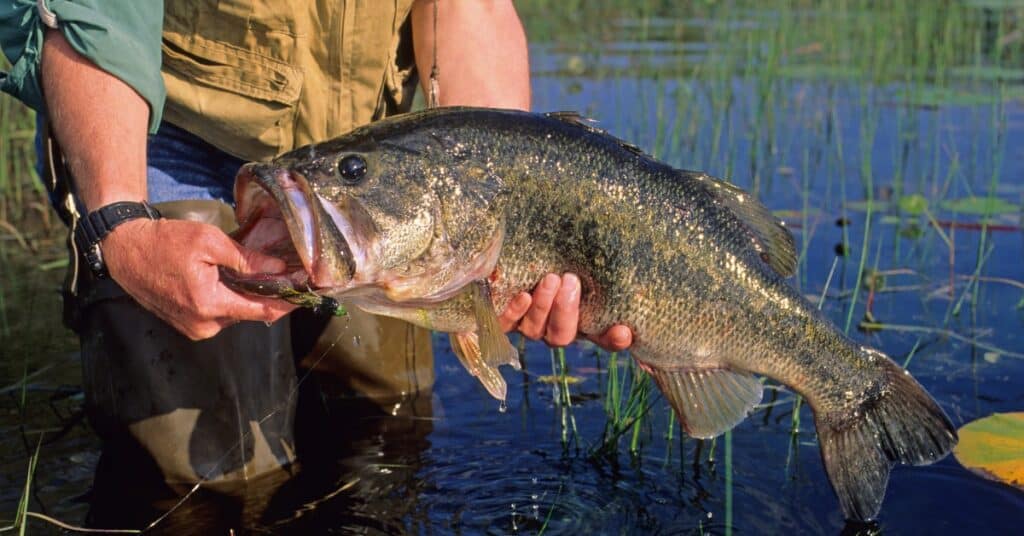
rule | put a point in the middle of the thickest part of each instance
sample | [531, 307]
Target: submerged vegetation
[885, 134]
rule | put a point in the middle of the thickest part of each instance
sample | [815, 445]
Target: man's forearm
[100, 122]
[481, 53]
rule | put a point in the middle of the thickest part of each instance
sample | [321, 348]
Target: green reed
[21, 515]
[627, 403]
[563, 398]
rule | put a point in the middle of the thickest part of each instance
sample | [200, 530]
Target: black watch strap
[95, 226]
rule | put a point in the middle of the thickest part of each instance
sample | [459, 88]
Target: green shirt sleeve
[122, 37]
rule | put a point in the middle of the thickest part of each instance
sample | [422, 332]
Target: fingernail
[572, 284]
[550, 282]
[621, 338]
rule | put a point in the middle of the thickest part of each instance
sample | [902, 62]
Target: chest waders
[225, 408]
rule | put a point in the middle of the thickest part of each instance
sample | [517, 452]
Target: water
[815, 133]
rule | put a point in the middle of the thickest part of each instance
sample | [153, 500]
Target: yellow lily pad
[555, 380]
[993, 447]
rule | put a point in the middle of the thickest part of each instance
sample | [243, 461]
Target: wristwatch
[96, 225]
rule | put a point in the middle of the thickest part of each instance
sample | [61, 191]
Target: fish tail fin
[901, 424]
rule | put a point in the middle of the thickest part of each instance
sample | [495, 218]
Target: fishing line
[435, 88]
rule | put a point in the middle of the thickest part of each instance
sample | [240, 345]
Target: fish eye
[352, 169]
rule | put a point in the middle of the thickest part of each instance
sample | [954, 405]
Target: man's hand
[171, 268]
[168, 266]
[552, 313]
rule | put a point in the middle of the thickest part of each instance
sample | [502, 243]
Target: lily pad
[913, 204]
[980, 205]
[993, 447]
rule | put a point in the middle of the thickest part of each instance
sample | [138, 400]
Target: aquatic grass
[866, 142]
[728, 482]
[998, 134]
[625, 410]
[21, 515]
[899, 60]
[563, 398]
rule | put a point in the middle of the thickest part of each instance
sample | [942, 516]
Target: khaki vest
[256, 78]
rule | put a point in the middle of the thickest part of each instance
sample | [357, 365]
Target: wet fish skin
[457, 199]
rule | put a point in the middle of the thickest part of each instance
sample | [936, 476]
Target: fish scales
[703, 297]
[443, 216]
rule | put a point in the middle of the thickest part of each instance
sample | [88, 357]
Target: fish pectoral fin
[708, 401]
[467, 349]
[495, 348]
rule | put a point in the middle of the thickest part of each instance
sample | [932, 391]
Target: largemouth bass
[441, 217]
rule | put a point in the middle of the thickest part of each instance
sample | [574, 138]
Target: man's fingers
[509, 319]
[231, 254]
[238, 307]
[535, 322]
[615, 338]
[564, 319]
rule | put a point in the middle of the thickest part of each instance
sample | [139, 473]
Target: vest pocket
[241, 102]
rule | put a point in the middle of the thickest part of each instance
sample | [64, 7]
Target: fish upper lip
[311, 229]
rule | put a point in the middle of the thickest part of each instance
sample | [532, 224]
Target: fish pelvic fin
[495, 348]
[708, 401]
[902, 424]
[467, 349]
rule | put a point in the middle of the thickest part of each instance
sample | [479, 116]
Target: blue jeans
[182, 166]
[179, 166]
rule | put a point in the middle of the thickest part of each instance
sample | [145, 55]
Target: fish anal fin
[708, 401]
[771, 239]
[495, 348]
[467, 349]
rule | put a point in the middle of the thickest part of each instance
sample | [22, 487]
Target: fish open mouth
[280, 215]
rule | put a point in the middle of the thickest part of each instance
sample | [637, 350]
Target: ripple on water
[507, 492]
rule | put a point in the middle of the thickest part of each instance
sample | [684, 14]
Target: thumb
[247, 261]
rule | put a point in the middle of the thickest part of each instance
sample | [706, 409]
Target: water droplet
[513, 506]
[534, 479]
[502, 407]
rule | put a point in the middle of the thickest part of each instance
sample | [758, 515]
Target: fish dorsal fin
[708, 401]
[495, 348]
[467, 348]
[772, 241]
[588, 124]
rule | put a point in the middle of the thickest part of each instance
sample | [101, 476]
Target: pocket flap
[222, 66]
